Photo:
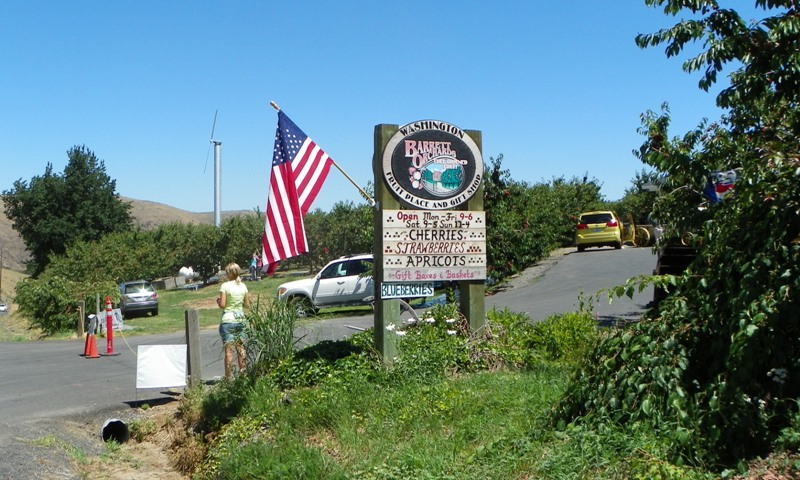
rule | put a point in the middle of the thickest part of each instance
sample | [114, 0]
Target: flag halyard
[299, 168]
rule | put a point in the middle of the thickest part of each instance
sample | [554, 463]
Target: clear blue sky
[557, 87]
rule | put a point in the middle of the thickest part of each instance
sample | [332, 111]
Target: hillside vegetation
[146, 215]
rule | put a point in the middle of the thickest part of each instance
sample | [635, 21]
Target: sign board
[406, 290]
[421, 245]
[161, 366]
[432, 165]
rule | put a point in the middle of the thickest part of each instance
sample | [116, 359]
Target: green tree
[52, 211]
[717, 365]
[205, 252]
[569, 198]
[241, 236]
[637, 203]
[50, 302]
[115, 257]
[175, 241]
[347, 229]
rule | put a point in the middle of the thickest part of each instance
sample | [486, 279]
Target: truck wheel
[302, 306]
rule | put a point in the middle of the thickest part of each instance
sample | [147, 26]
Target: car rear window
[138, 287]
[596, 218]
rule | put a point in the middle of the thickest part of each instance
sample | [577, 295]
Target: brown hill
[145, 213]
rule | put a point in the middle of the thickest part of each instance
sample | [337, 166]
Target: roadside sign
[406, 290]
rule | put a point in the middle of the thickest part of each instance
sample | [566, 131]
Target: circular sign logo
[432, 165]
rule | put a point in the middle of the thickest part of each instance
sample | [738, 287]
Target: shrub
[442, 343]
[224, 403]
[434, 345]
[567, 336]
[51, 302]
[329, 360]
[505, 340]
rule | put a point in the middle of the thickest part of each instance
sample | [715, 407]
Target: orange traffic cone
[90, 350]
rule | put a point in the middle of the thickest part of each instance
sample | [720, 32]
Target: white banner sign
[160, 366]
[420, 245]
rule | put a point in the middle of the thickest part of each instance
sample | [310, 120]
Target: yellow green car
[598, 229]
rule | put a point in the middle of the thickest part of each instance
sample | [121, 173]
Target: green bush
[51, 302]
[328, 360]
[433, 346]
[567, 336]
[505, 341]
[223, 403]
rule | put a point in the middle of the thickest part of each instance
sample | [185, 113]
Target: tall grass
[270, 335]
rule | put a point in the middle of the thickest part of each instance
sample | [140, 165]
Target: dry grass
[12, 326]
[164, 452]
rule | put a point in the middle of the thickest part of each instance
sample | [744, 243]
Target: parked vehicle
[342, 282]
[3, 307]
[138, 296]
[598, 229]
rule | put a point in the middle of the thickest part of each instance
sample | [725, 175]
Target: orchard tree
[569, 198]
[347, 229]
[637, 203]
[241, 236]
[716, 364]
[53, 210]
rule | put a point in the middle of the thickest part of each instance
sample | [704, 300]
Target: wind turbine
[217, 174]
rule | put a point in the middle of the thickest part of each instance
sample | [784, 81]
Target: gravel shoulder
[530, 275]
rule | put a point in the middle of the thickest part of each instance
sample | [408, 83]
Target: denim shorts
[232, 331]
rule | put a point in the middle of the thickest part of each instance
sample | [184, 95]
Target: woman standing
[232, 300]
[254, 261]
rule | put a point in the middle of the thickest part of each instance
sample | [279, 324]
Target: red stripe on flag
[284, 235]
[312, 166]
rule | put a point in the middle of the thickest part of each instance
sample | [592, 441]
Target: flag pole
[360, 190]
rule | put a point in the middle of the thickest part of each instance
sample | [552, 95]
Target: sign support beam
[386, 311]
[473, 293]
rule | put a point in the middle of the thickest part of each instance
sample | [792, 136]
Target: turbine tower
[217, 174]
[217, 183]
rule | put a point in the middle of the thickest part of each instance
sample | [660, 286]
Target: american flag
[299, 168]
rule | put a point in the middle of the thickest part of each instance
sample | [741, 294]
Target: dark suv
[138, 296]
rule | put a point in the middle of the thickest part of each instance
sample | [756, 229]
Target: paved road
[42, 381]
[586, 273]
